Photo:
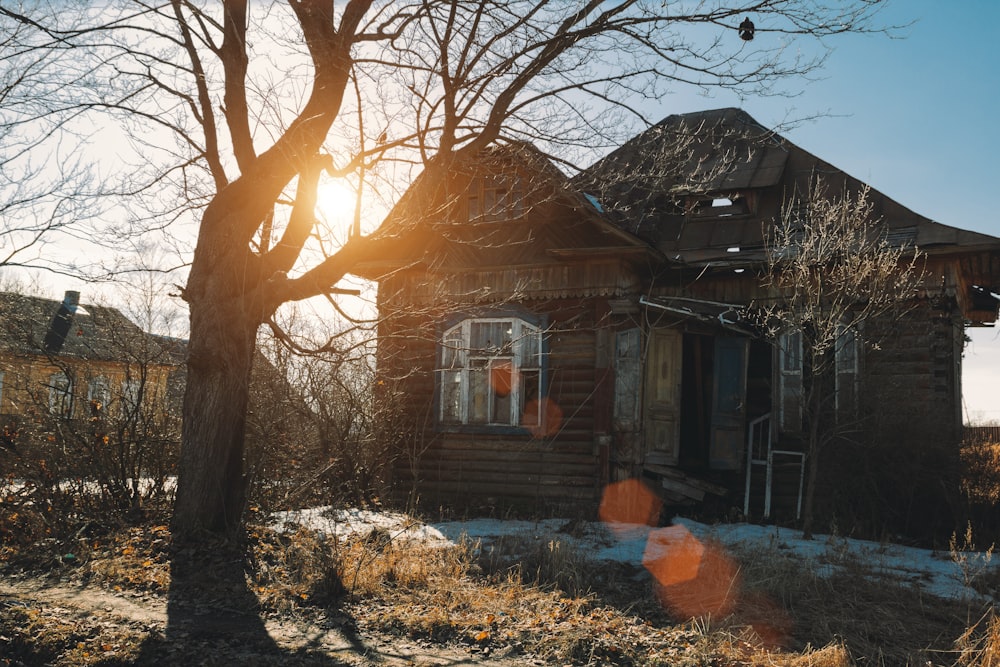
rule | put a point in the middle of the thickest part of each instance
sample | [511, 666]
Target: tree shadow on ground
[214, 617]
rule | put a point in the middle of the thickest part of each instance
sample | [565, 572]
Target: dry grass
[542, 600]
[979, 646]
[981, 478]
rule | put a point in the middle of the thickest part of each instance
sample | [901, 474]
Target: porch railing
[760, 453]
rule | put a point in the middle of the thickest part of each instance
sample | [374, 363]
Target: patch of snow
[933, 571]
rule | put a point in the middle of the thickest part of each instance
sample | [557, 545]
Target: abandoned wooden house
[548, 336]
[64, 361]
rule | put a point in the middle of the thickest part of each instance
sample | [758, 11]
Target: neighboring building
[68, 361]
[552, 336]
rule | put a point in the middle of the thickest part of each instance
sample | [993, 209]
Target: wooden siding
[561, 471]
[912, 384]
[25, 380]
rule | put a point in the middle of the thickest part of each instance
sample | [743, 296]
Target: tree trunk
[211, 485]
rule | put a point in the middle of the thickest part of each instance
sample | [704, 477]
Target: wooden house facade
[550, 336]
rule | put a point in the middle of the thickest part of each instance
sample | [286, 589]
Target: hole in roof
[721, 201]
[734, 248]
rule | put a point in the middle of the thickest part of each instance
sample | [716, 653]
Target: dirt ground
[86, 624]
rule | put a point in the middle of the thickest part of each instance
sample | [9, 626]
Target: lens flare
[630, 501]
[501, 378]
[543, 418]
[693, 579]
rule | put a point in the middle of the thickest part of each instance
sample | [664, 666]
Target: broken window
[490, 373]
[721, 205]
[496, 198]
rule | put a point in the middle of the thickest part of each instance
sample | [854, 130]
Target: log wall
[477, 470]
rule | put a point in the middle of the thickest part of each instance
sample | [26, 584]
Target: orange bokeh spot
[769, 621]
[551, 417]
[630, 501]
[501, 378]
[692, 578]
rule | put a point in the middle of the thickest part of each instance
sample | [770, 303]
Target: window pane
[791, 351]
[98, 394]
[453, 349]
[491, 337]
[846, 352]
[501, 408]
[490, 369]
[628, 372]
[529, 344]
[60, 395]
[479, 392]
[451, 396]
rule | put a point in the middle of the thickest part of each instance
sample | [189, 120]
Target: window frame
[60, 387]
[847, 369]
[495, 198]
[790, 377]
[473, 403]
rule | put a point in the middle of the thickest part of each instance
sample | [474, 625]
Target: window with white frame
[98, 393]
[60, 395]
[490, 372]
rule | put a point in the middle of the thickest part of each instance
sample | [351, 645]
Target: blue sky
[916, 118]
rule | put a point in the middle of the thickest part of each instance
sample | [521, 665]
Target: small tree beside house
[835, 274]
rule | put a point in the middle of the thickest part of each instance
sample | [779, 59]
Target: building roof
[31, 325]
[653, 183]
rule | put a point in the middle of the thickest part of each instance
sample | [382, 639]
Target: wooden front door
[663, 397]
[729, 390]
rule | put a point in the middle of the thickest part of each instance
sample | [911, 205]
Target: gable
[546, 239]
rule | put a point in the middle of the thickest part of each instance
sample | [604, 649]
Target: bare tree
[267, 101]
[834, 275]
[45, 192]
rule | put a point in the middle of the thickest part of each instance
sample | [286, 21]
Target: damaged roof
[702, 188]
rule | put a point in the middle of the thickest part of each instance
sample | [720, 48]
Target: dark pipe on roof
[58, 330]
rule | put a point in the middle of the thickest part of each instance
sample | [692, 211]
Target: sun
[335, 201]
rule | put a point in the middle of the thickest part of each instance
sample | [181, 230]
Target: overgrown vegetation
[515, 600]
[536, 600]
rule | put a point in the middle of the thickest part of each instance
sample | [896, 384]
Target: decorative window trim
[486, 386]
